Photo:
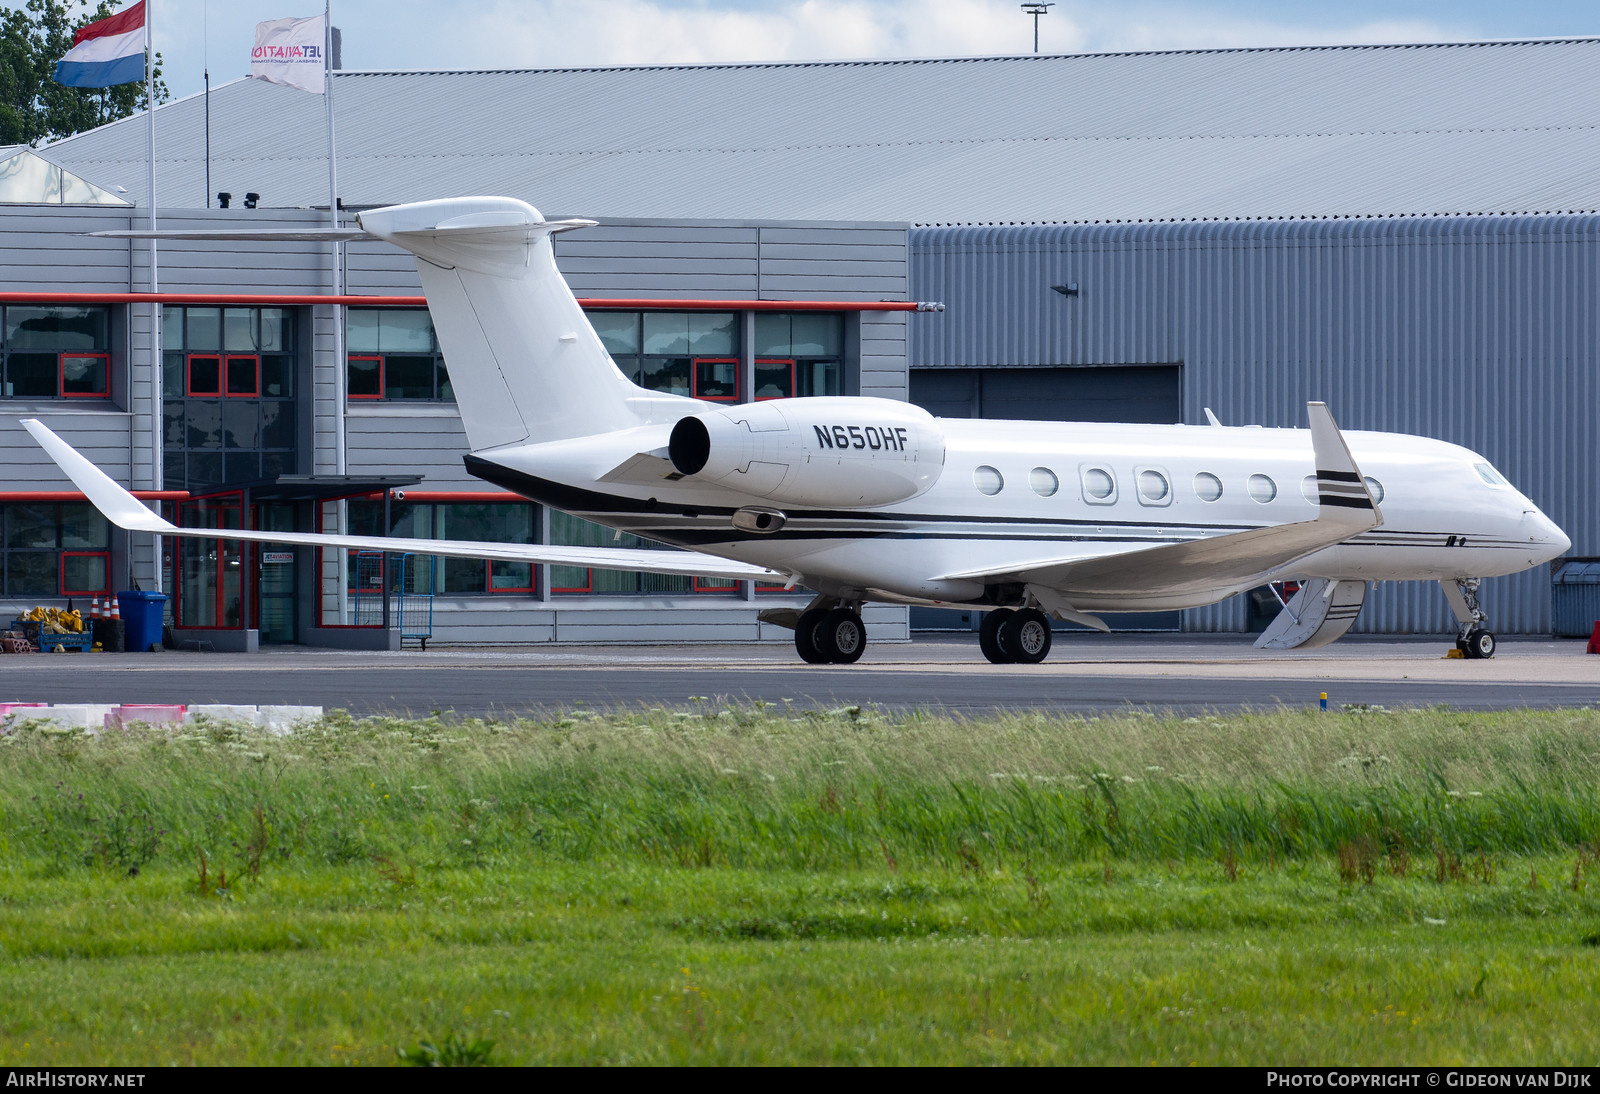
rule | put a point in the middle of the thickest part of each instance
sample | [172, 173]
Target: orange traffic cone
[94, 610]
[115, 612]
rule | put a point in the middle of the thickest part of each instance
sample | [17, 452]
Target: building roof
[1489, 127]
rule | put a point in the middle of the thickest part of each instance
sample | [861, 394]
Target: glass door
[276, 573]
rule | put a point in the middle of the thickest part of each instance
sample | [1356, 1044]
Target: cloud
[436, 34]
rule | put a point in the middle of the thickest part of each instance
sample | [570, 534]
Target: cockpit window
[1489, 475]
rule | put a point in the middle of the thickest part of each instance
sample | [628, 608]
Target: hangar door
[1104, 393]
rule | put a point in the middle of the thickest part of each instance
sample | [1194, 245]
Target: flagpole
[333, 222]
[155, 276]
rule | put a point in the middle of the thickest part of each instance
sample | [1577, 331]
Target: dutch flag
[107, 52]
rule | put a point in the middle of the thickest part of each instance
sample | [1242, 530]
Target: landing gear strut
[1015, 636]
[830, 635]
[1475, 639]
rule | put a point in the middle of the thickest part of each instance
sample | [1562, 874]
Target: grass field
[746, 885]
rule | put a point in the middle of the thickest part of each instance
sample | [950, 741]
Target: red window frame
[489, 588]
[587, 587]
[61, 574]
[790, 361]
[61, 376]
[382, 386]
[188, 374]
[227, 362]
[694, 378]
[731, 585]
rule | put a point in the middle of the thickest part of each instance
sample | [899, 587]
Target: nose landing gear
[1475, 639]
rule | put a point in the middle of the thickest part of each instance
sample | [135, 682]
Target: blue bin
[142, 615]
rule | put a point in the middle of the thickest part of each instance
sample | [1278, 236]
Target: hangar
[1407, 231]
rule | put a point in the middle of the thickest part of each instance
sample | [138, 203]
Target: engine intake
[826, 451]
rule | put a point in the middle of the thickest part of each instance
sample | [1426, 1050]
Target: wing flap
[125, 511]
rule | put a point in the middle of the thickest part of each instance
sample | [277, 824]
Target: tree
[33, 107]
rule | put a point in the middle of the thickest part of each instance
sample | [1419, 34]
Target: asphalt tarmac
[1085, 674]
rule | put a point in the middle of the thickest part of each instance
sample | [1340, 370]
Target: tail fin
[524, 361]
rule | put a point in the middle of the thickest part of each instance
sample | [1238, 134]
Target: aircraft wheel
[990, 640]
[1480, 644]
[1027, 635]
[805, 637]
[841, 637]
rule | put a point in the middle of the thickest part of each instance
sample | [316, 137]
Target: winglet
[1339, 481]
[120, 507]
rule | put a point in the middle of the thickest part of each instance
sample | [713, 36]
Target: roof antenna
[1036, 10]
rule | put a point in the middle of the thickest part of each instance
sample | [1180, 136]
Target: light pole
[1036, 10]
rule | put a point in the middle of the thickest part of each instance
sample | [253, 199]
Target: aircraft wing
[126, 511]
[1345, 508]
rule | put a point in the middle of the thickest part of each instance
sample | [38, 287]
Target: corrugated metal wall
[1476, 330]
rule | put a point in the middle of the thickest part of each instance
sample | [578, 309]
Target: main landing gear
[1012, 636]
[1475, 639]
[830, 636]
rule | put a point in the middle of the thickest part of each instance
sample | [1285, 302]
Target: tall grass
[768, 787]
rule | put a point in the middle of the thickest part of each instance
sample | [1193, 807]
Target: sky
[194, 35]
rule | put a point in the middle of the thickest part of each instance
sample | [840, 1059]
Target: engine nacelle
[825, 451]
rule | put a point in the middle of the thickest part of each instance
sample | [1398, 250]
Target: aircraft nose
[1543, 535]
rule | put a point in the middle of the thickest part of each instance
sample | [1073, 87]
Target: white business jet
[865, 499]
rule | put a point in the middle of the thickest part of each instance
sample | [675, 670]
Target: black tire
[1027, 636]
[841, 637]
[805, 640]
[1480, 645]
[990, 639]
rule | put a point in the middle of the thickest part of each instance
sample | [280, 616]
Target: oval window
[1262, 489]
[1098, 485]
[1377, 490]
[1153, 486]
[1308, 487]
[1044, 481]
[988, 480]
[1207, 486]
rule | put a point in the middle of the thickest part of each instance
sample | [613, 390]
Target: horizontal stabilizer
[260, 235]
[643, 469]
[125, 511]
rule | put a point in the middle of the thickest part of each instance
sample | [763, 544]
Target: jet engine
[824, 451]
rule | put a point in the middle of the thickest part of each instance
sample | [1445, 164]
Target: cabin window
[1207, 486]
[1099, 486]
[1262, 488]
[1308, 487]
[1044, 482]
[1154, 488]
[988, 480]
[1377, 489]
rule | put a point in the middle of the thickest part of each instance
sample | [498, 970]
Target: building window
[229, 406]
[55, 550]
[52, 352]
[493, 522]
[676, 353]
[798, 354]
[392, 353]
[571, 531]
